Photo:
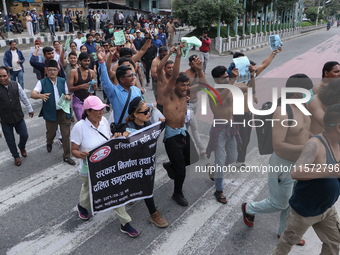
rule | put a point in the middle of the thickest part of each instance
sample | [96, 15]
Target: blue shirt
[157, 42]
[162, 37]
[90, 48]
[117, 94]
[51, 19]
[170, 132]
[137, 42]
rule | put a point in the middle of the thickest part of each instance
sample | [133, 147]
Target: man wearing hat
[35, 21]
[50, 89]
[137, 40]
[288, 142]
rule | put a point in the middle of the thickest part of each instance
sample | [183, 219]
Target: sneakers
[60, 142]
[157, 219]
[239, 164]
[169, 170]
[180, 199]
[83, 213]
[127, 229]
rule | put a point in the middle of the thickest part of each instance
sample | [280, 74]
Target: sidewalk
[23, 38]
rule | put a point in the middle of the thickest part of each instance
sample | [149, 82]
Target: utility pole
[6, 15]
[317, 16]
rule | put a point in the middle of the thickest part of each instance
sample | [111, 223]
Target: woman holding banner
[86, 135]
[138, 118]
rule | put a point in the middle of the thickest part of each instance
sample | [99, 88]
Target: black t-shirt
[100, 42]
[107, 34]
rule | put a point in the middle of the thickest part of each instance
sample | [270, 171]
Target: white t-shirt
[97, 17]
[38, 88]
[121, 16]
[78, 42]
[15, 59]
[87, 137]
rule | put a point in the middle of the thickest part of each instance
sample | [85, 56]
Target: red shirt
[205, 44]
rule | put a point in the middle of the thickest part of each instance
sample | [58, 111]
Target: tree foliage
[312, 13]
[332, 8]
[203, 13]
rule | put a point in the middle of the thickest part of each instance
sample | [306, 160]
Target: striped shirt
[117, 94]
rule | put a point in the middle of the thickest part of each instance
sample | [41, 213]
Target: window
[154, 4]
[131, 4]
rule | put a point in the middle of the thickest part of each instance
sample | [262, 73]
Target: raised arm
[175, 73]
[104, 77]
[62, 57]
[142, 51]
[267, 61]
[159, 69]
[108, 60]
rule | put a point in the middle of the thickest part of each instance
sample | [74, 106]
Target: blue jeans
[21, 130]
[67, 27]
[224, 146]
[52, 30]
[280, 190]
[20, 75]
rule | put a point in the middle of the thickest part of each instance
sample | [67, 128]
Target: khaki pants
[170, 39]
[65, 126]
[84, 201]
[326, 226]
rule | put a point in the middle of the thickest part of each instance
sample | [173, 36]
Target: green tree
[204, 13]
[312, 13]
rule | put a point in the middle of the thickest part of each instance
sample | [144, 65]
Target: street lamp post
[6, 15]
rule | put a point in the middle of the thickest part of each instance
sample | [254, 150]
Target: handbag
[121, 127]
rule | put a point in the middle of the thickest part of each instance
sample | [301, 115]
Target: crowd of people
[79, 70]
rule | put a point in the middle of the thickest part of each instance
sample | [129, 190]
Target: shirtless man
[195, 76]
[317, 190]
[327, 95]
[79, 83]
[163, 51]
[164, 72]
[245, 130]
[330, 70]
[224, 138]
[178, 144]
[288, 143]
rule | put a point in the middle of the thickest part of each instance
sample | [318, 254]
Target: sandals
[220, 197]
[211, 174]
[301, 243]
[247, 217]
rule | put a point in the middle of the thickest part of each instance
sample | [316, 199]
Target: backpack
[264, 133]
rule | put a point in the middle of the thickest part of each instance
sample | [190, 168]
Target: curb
[46, 38]
[265, 44]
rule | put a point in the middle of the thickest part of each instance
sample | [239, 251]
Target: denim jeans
[34, 27]
[21, 130]
[280, 190]
[224, 146]
[67, 28]
[20, 75]
[192, 107]
[52, 30]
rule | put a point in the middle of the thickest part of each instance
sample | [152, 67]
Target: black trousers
[181, 152]
[150, 203]
[245, 132]
[147, 70]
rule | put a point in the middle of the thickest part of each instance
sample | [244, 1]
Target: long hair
[131, 117]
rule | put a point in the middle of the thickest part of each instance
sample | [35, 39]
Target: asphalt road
[38, 199]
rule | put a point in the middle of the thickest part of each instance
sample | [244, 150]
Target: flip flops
[220, 197]
[247, 217]
[301, 243]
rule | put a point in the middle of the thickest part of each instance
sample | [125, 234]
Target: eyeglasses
[145, 112]
[131, 75]
[105, 45]
[52, 70]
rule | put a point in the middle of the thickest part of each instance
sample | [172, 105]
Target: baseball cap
[93, 102]
[138, 31]
[79, 32]
[37, 41]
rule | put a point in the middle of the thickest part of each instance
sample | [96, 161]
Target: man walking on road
[11, 115]
[288, 142]
[316, 192]
[13, 60]
[170, 26]
[50, 89]
[204, 49]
